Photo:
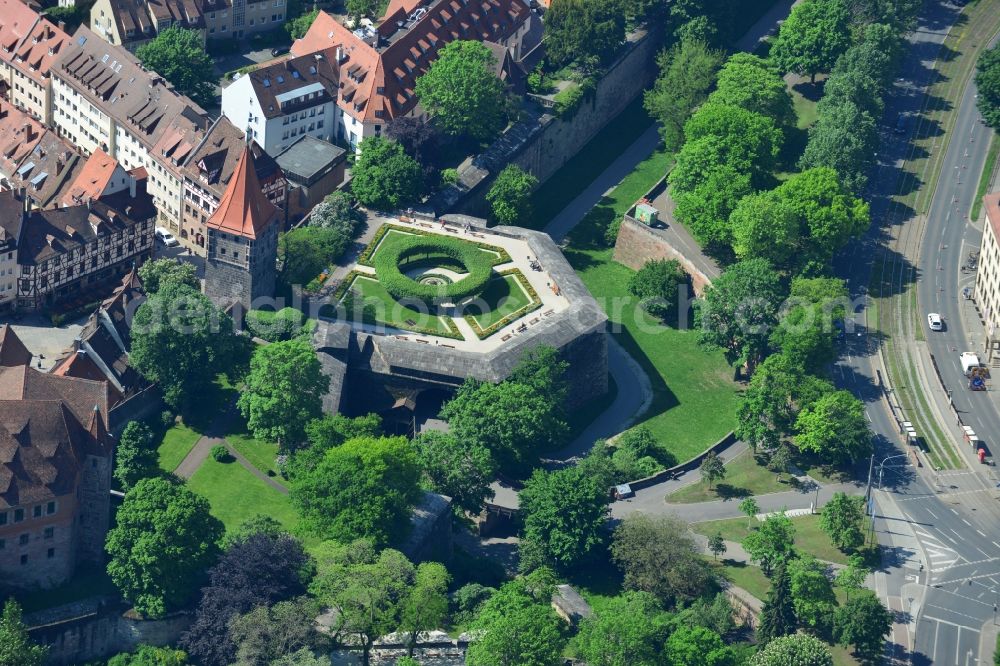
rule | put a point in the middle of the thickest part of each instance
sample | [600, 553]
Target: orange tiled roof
[92, 179]
[378, 81]
[243, 210]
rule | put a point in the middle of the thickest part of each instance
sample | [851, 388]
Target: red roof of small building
[92, 179]
[243, 210]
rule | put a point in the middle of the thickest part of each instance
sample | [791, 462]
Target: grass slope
[178, 440]
[235, 495]
[744, 477]
[809, 538]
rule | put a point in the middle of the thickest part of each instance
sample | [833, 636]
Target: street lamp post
[881, 467]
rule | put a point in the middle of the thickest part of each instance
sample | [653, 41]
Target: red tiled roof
[243, 210]
[92, 179]
[385, 76]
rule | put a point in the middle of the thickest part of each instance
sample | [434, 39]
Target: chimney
[27, 131]
[89, 200]
[70, 231]
[49, 238]
[59, 165]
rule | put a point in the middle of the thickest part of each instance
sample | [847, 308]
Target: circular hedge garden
[389, 263]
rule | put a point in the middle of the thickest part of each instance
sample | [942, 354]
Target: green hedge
[365, 258]
[390, 262]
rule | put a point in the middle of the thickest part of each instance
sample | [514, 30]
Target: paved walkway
[269, 480]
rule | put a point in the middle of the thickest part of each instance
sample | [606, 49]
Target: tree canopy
[265, 633]
[307, 251]
[135, 455]
[164, 541]
[510, 195]
[181, 341]
[158, 272]
[698, 646]
[564, 515]
[834, 427]
[462, 92]
[777, 617]
[16, 649]
[794, 650]
[772, 542]
[629, 630]
[384, 176]
[752, 83]
[364, 488]
[659, 555]
[864, 623]
[179, 56]
[659, 285]
[813, 36]
[988, 86]
[461, 470]
[588, 32]
[740, 310]
[745, 140]
[843, 521]
[299, 26]
[284, 390]
[812, 593]
[687, 71]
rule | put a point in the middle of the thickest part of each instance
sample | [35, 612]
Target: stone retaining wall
[638, 244]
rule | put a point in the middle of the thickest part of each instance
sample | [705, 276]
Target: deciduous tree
[266, 633]
[181, 341]
[794, 650]
[749, 508]
[384, 176]
[812, 593]
[698, 646]
[510, 196]
[752, 83]
[810, 321]
[717, 545]
[740, 311]
[852, 577]
[659, 285]
[462, 92]
[772, 542]
[299, 26]
[426, 604]
[158, 272]
[712, 469]
[458, 469]
[364, 488]
[659, 555]
[687, 72]
[306, 252]
[988, 86]
[843, 521]
[747, 141]
[135, 455]
[813, 36]
[834, 427]
[284, 391]
[630, 629]
[148, 655]
[179, 56]
[765, 227]
[518, 627]
[564, 515]
[587, 32]
[16, 649]
[864, 623]
[844, 139]
[163, 542]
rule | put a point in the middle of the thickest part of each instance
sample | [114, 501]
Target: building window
[50, 553]
[3, 517]
[36, 511]
[50, 532]
[3, 544]
[23, 539]
[24, 559]
[18, 515]
[50, 508]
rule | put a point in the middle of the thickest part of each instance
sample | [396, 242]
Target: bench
[507, 337]
[548, 313]
[534, 321]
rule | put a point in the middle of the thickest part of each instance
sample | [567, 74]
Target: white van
[165, 237]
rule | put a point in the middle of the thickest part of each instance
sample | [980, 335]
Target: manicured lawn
[87, 582]
[261, 454]
[744, 477]
[235, 494]
[178, 440]
[392, 237]
[747, 576]
[689, 381]
[502, 296]
[390, 312]
[809, 538]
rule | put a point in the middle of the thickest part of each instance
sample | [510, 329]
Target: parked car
[900, 124]
[934, 322]
[165, 237]
[279, 50]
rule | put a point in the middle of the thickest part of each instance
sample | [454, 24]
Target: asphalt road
[937, 531]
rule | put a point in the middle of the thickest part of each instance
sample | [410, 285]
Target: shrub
[410, 251]
[167, 418]
[220, 453]
[569, 99]
[449, 177]
[278, 326]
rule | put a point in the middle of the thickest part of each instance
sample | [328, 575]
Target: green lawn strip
[986, 177]
[566, 184]
[688, 380]
[503, 296]
[86, 582]
[805, 109]
[390, 312]
[235, 494]
[744, 477]
[740, 574]
[259, 453]
[809, 538]
[177, 442]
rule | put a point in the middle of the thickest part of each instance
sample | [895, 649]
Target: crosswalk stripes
[941, 556]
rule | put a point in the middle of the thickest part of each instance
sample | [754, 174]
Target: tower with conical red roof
[242, 240]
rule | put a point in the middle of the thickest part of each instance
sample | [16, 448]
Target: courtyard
[475, 288]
